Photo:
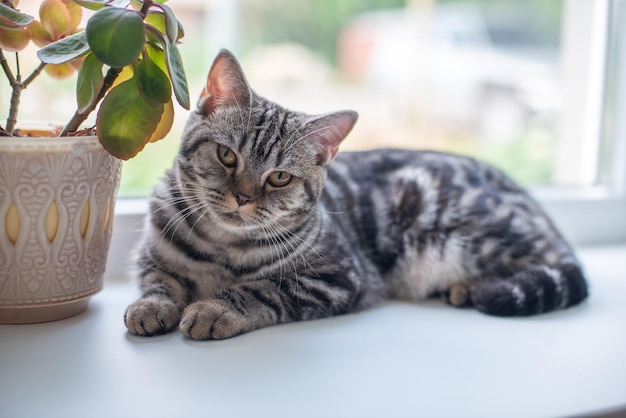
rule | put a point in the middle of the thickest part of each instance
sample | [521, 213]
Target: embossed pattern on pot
[53, 203]
[12, 227]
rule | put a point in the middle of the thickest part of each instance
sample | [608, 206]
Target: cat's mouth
[233, 218]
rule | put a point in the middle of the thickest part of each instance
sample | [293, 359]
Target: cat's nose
[242, 199]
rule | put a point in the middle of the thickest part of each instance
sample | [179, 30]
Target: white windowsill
[395, 360]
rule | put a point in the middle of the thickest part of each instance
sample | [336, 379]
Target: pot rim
[47, 143]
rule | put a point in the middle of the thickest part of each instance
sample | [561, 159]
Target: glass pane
[477, 77]
[473, 77]
[610, 162]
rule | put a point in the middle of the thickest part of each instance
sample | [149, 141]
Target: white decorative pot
[57, 197]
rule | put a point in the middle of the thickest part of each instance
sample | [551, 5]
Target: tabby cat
[257, 223]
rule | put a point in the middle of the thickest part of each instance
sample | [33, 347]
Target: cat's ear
[327, 131]
[226, 85]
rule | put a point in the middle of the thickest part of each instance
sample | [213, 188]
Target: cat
[260, 222]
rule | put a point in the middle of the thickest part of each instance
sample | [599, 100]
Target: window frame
[593, 215]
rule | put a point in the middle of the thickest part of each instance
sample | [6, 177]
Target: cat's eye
[226, 156]
[279, 178]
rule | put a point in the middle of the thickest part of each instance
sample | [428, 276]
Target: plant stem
[79, 118]
[144, 8]
[109, 79]
[17, 87]
[6, 68]
[36, 72]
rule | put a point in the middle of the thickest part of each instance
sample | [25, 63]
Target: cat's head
[249, 162]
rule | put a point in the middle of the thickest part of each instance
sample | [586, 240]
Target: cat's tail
[532, 291]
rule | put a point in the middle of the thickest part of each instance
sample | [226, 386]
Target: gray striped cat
[257, 224]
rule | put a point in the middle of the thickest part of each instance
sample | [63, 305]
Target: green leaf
[89, 83]
[99, 4]
[153, 83]
[116, 36]
[65, 49]
[177, 75]
[156, 19]
[125, 121]
[156, 54]
[11, 18]
[118, 3]
[155, 28]
[165, 124]
[91, 4]
[171, 23]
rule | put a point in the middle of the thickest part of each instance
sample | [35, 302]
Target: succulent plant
[127, 58]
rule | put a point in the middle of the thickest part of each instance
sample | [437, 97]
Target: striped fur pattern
[257, 224]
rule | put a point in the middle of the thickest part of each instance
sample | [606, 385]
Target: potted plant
[58, 186]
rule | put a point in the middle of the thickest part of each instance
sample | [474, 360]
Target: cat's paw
[459, 295]
[151, 316]
[212, 319]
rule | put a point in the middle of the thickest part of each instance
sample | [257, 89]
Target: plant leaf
[116, 36]
[118, 3]
[89, 82]
[136, 4]
[65, 49]
[126, 74]
[13, 40]
[177, 74]
[156, 19]
[165, 124]
[60, 71]
[99, 4]
[11, 18]
[40, 36]
[171, 23]
[60, 18]
[153, 84]
[157, 55]
[91, 4]
[125, 122]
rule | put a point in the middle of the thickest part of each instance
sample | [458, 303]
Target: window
[566, 141]
[517, 83]
[571, 151]
[535, 87]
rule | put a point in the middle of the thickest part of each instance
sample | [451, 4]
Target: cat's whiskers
[241, 113]
[270, 233]
[288, 146]
[329, 212]
[175, 200]
[304, 243]
[275, 249]
[293, 134]
[281, 230]
[179, 218]
[168, 203]
[198, 220]
[283, 246]
[239, 108]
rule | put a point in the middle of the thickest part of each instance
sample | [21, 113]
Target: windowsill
[396, 360]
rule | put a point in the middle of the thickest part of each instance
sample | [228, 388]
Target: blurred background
[480, 77]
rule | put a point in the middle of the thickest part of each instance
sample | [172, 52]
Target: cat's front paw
[151, 316]
[211, 319]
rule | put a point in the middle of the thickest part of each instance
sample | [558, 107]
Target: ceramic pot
[57, 197]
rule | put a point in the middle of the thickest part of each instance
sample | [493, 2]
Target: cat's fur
[226, 252]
